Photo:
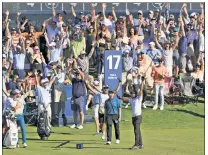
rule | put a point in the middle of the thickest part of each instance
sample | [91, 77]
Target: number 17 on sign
[113, 69]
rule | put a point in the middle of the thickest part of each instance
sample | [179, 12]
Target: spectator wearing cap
[58, 18]
[44, 95]
[16, 103]
[159, 73]
[59, 90]
[78, 100]
[137, 50]
[167, 51]
[52, 29]
[12, 36]
[149, 18]
[78, 42]
[154, 53]
[83, 60]
[91, 36]
[113, 115]
[78, 19]
[124, 45]
[37, 60]
[19, 59]
[145, 64]
[54, 53]
[127, 66]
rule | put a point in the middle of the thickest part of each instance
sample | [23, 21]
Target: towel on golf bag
[43, 128]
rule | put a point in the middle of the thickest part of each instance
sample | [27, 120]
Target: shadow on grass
[189, 112]
[57, 140]
[94, 147]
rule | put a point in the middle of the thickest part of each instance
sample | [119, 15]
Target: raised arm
[114, 14]
[23, 25]
[90, 88]
[46, 39]
[184, 8]
[18, 21]
[36, 78]
[93, 16]
[103, 9]
[29, 89]
[118, 87]
[157, 43]
[94, 44]
[73, 11]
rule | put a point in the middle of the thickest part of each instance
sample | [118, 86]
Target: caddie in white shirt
[136, 103]
[44, 96]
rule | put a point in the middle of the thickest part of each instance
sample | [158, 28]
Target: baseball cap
[81, 13]
[20, 80]
[52, 44]
[16, 91]
[77, 27]
[157, 10]
[152, 43]
[59, 14]
[150, 12]
[105, 86]
[52, 63]
[192, 14]
[126, 51]
[153, 18]
[82, 52]
[44, 81]
[13, 29]
[140, 11]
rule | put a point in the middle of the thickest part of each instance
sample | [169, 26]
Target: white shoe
[103, 136]
[108, 143]
[126, 106]
[24, 145]
[155, 107]
[117, 141]
[80, 127]
[73, 126]
[161, 107]
[144, 106]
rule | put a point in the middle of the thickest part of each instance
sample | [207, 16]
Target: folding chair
[30, 113]
[188, 83]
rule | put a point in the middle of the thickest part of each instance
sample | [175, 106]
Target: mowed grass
[178, 130]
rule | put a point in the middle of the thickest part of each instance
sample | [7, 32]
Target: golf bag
[11, 138]
[43, 127]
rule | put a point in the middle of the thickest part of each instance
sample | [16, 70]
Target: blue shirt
[19, 60]
[154, 58]
[182, 45]
[112, 106]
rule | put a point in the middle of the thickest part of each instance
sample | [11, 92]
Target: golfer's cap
[16, 91]
[82, 52]
[96, 83]
[13, 29]
[192, 14]
[105, 86]
[52, 44]
[140, 11]
[150, 12]
[44, 81]
[126, 51]
[152, 43]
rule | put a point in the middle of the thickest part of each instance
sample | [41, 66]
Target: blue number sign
[113, 69]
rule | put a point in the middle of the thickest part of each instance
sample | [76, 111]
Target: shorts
[182, 62]
[95, 110]
[101, 118]
[77, 104]
[59, 93]
[124, 74]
